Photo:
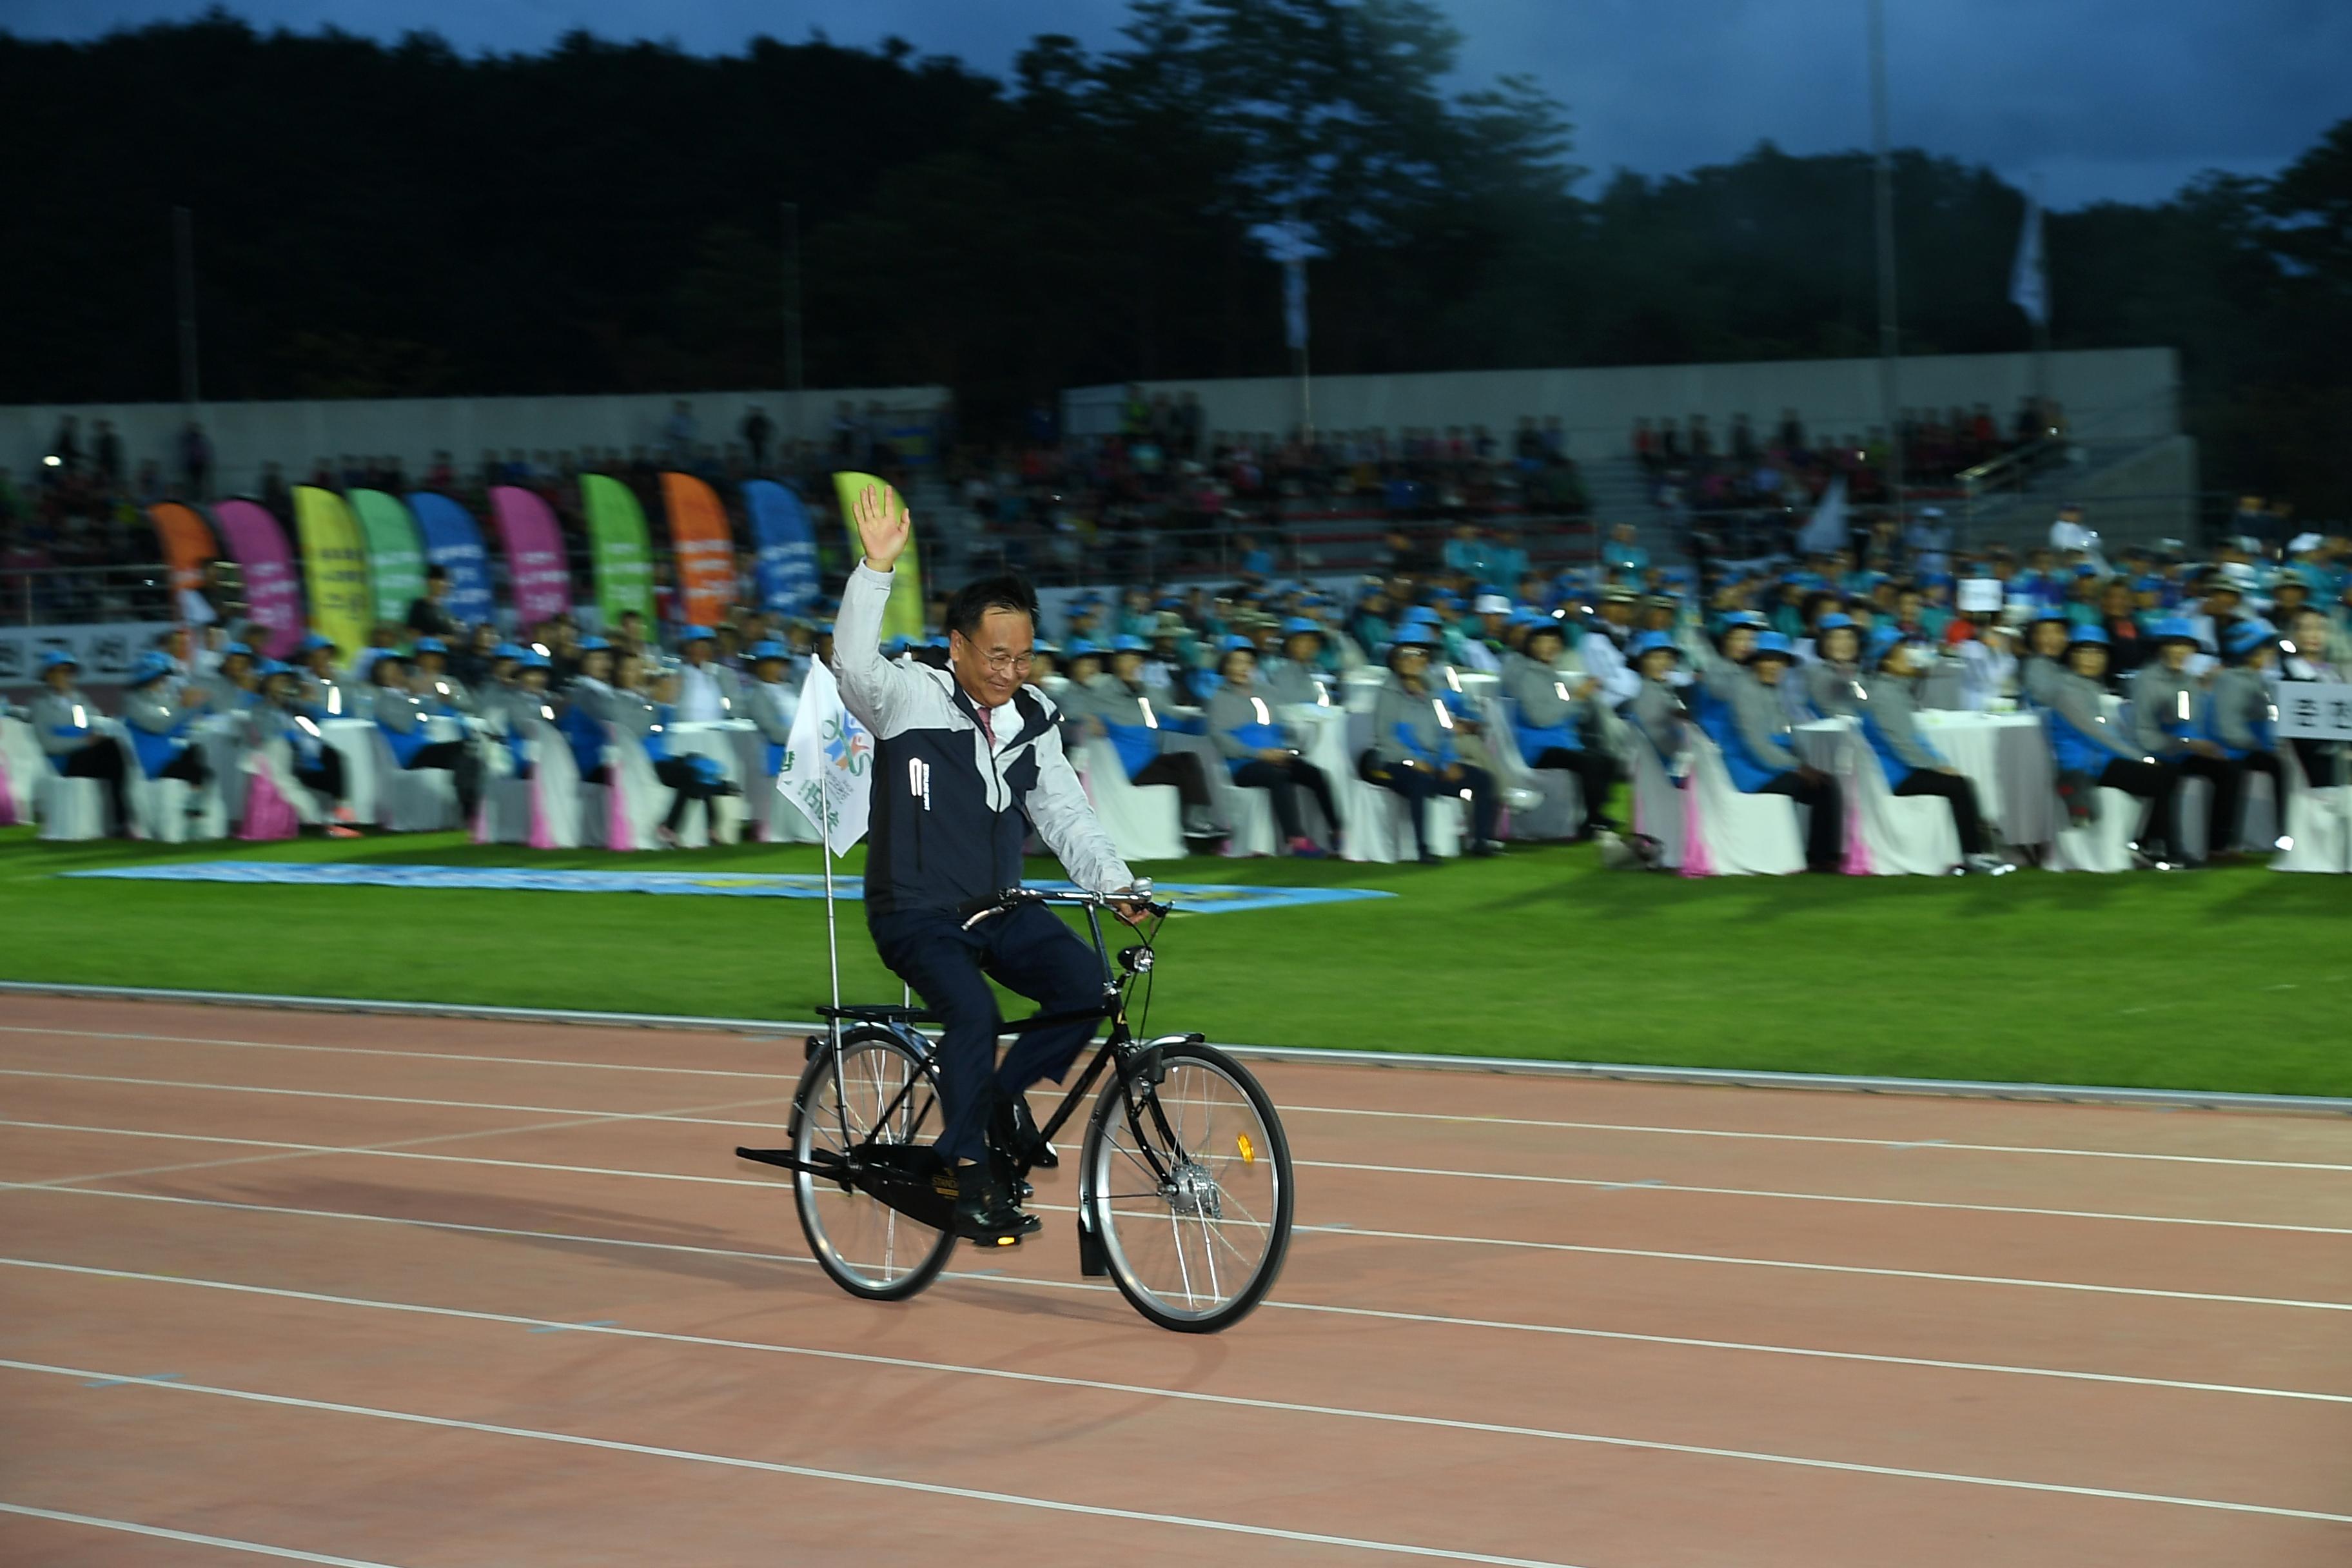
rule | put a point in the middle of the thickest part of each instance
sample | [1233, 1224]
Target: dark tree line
[400, 219]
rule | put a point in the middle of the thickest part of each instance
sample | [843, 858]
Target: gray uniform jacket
[631, 714]
[2037, 676]
[1536, 689]
[2156, 694]
[1109, 699]
[593, 698]
[1230, 710]
[1891, 705]
[1657, 712]
[52, 713]
[1418, 714]
[2081, 701]
[2241, 699]
[398, 712]
[1830, 690]
[1283, 681]
[150, 708]
[1756, 709]
[771, 705]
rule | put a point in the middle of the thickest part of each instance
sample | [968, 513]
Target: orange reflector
[1249, 1149]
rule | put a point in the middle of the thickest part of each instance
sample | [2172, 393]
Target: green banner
[617, 536]
[395, 559]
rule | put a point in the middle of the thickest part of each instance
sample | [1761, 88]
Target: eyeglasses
[1004, 663]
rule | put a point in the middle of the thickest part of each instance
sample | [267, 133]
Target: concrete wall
[246, 434]
[2128, 394]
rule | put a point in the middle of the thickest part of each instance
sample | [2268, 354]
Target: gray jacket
[771, 706]
[1284, 681]
[1108, 699]
[1657, 712]
[1535, 688]
[1417, 714]
[53, 712]
[1890, 705]
[1231, 710]
[2156, 694]
[2241, 699]
[2037, 677]
[398, 712]
[2081, 701]
[1830, 690]
[1756, 709]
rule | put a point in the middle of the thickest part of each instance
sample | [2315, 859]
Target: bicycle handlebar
[1139, 897]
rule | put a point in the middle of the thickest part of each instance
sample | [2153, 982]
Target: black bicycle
[1184, 1177]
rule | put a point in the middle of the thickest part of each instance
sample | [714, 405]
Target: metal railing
[1354, 544]
[84, 595]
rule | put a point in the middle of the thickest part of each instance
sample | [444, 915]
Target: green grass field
[2231, 979]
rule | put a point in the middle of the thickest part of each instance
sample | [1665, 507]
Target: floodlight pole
[1889, 340]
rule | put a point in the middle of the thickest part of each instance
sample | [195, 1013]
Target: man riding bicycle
[966, 760]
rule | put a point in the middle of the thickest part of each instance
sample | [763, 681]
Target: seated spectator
[1888, 707]
[2089, 752]
[230, 686]
[285, 716]
[1832, 681]
[1258, 750]
[2172, 721]
[64, 718]
[2305, 656]
[158, 724]
[1552, 712]
[1296, 677]
[708, 689]
[1414, 751]
[401, 715]
[2245, 714]
[1657, 714]
[645, 705]
[1116, 704]
[1759, 763]
[430, 681]
[589, 711]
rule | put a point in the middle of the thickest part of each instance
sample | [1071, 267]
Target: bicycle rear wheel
[844, 1107]
[1189, 1190]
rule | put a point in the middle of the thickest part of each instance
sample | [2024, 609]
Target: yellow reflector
[1008, 1241]
[1249, 1149]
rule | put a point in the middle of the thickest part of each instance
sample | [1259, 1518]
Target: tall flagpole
[832, 939]
[1889, 342]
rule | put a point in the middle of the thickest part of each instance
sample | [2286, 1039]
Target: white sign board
[106, 651]
[1980, 596]
[2311, 710]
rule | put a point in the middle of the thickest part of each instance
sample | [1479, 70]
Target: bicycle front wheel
[1189, 1189]
[871, 1098]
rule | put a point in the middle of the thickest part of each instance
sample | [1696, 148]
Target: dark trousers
[1959, 793]
[323, 774]
[1283, 781]
[689, 786]
[1028, 951]
[465, 768]
[2155, 782]
[1181, 769]
[2319, 762]
[101, 760]
[1419, 784]
[2228, 777]
[1825, 832]
[1596, 774]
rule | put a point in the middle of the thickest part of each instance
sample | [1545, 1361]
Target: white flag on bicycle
[828, 770]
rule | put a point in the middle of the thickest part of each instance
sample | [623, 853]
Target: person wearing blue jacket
[1756, 755]
[2088, 752]
[400, 714]
[1550, 710]
[158, 726]
[1889, 710]
[1115, 703]
[2173, 721]
[1258, 752]
[1413, 750]
[63, 720]
[284, 713]
[588, 709]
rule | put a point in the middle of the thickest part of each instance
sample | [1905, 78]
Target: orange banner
[705, 544]
[187, 544]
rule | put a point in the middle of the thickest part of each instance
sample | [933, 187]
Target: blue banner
[1196, 898]
[452, 543]
[787, 547]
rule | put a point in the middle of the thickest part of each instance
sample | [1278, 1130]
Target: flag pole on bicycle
[827, 774]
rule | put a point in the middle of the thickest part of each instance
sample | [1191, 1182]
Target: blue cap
[767, 649]
[1420, 614]
[2095, 636]
[1830, 623]
[533, 659]
[58, 658]
[268, 668]
[429, 644]
[507, 650]
[1232, 641]
[1083, 648]
[1745, 619]
[2171, 628]
[1129, 643]
[1772, 645]
[1652, 642]
[1884, 641]
[695, 634]
[1299, 626]
[2244, 637]
[245, 648]
[313, 643]
[154, 665]
[594, 645]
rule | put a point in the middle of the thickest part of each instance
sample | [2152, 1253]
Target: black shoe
[1431, 857]
[984, 1209]
[1015, 1131]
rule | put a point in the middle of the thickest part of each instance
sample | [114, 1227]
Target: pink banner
[537, 576]
[273, 592]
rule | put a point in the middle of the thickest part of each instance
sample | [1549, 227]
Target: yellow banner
[903, 616]
[334, 567]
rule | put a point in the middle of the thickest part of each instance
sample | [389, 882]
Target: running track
[279, 1286]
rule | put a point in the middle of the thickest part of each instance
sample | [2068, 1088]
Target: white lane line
[306, 1151]
[854, 1478]
[1653, 1183]
[1643, 1445]
[1940, 1144]
[251, 1548]
[995, 1275]
[380, 1051]
[1287, 1109]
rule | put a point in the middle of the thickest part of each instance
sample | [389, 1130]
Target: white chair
[170, 811]
[1146, 822]
[422, 800]
[1380, 820]
[70, 810]
[1728, 834]
[2105, 844]
[2257, 827]
[1248, 813]
[1561, 811]
[1887, 835]
[625, 814]
[2318, 828]
[21, 769]
[1658, 811]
